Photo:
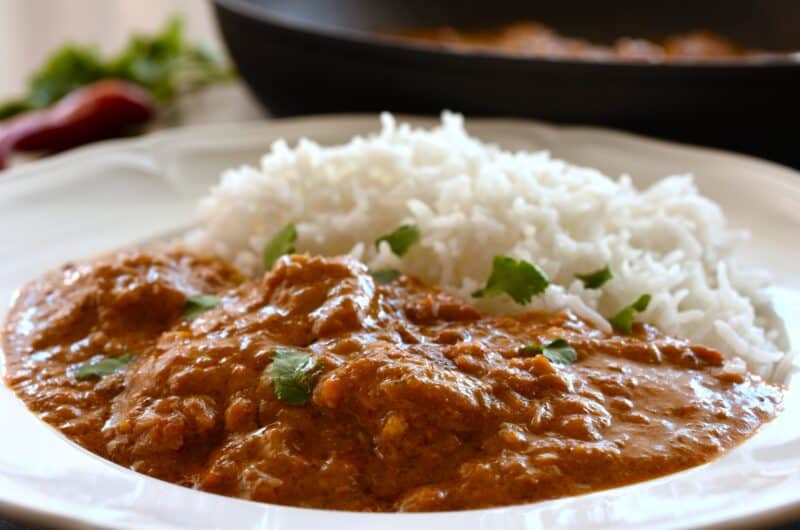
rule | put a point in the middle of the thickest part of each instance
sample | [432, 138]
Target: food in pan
[534, 39]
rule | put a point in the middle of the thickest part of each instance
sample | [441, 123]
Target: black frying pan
[312, 56]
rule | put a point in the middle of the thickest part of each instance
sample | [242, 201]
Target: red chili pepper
[101, 110]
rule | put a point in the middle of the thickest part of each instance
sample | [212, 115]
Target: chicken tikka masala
[322, 385]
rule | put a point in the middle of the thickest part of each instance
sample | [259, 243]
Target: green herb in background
[385, 276]
[67, 69]
[103, 367]
[292, 373]
[198, 304]
[521, 280]
[280, 244]
[623, 319]
[401, 239]
[559, 351]
[596, 279]
[164, 64]
[10, 108]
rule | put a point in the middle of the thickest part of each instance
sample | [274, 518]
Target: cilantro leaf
[385, 276]
[198, 304]
[281, 243]
[596, 279]
[13, 107]
[521, 280]
[292, 373]
[166, 64]
[69, 68]
[559, 351]
[103, 367]
[623, 319]
[401, 239]
[150, 61]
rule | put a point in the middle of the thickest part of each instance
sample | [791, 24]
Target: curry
[534, 39]
[319, 386]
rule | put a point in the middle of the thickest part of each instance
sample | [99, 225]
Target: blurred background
[687, 71]
[30, 30]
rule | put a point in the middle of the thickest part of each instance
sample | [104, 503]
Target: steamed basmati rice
[472, 201]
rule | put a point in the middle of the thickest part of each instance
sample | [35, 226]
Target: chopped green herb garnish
[280, 244]
[198, 304]
[623, 320]
[401, 239]
[596, 279]
[103, 367]
[292, 373]
[559, 351]
[521, 280]
[164, 64]
[385, 276]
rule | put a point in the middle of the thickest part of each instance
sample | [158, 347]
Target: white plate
[123, 192]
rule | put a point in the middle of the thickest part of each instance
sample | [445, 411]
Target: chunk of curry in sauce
[421, 402]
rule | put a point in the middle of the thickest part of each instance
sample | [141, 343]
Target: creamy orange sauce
[422, 402]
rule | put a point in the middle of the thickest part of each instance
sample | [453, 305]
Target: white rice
[472, 201]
